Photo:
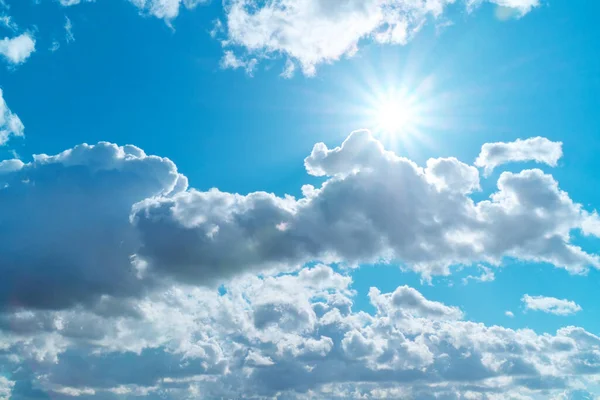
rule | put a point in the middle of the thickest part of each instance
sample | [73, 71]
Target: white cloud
[166, 9]
[538, 149]
[230, 60]
[114, 221]
[374, 206]
[5, 388]
[7, 21]
[509, 314]
[409, 301]
[550, 305]
[195, 341]
[487, 275]
[17, 49]
[10, 124]
[68, 3]
[313, 32]
[69, 36]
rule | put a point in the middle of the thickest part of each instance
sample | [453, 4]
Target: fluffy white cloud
[17, 49]
[538, 149]
[188, 342]
[10, 125]
[5, 388]
[311, 32]
[550, 305]
[374, 206]
[109, 220]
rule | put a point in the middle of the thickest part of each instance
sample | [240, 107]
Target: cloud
[550, 305]
[313, 32]
[308, 33]
[65, 223]
[5, 388]
[373, 206]
[509, 314]
[487, 275]
[68, 3]
[8, 22]
[538, 149]
[408, 300]
[17, 49]
[106, 220]
[10, 124]
[166, 9]
[69, 36]
[513, 7]
[230, 61]
[192, 341]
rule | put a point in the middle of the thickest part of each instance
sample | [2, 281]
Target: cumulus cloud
[5, 388]
[312, 32]
[550, 305]
[538, 149]
[308, 33]
[373, 206]
[109, 220]
[17, 49]
[77, 243]
[188, 342]
[10, 125]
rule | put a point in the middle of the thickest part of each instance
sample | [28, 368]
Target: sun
[393, 116]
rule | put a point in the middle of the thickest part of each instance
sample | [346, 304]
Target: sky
[299, 199]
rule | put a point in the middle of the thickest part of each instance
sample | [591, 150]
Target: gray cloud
[66, 234]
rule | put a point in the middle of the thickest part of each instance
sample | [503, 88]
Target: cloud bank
[125, 260]
[110, 220]
[293, 336]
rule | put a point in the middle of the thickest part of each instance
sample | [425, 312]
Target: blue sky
[446, 248]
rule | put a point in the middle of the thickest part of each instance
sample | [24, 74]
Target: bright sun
[393, 116]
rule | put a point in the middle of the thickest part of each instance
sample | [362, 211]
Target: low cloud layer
[295, 336]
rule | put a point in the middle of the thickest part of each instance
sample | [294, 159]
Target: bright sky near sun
[299, 199]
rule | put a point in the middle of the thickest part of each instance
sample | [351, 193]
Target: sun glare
[393, 116]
